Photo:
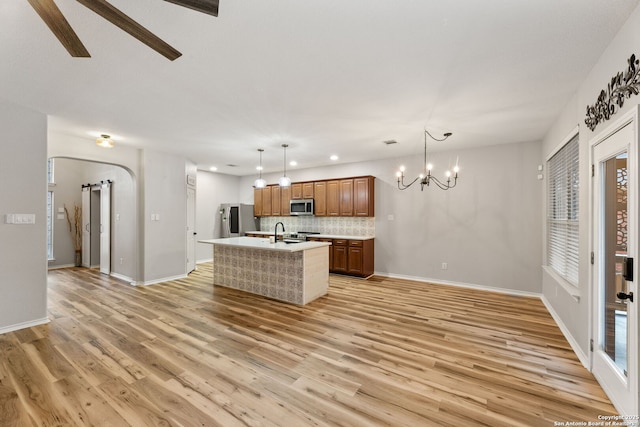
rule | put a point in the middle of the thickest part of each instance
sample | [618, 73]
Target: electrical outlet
[121, 260]
[445, 266]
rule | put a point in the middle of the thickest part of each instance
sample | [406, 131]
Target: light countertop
[322, 236]
[258, 243]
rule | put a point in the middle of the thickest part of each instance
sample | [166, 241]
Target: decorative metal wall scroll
[622, 86]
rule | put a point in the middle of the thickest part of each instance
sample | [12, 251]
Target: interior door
[615, 303]
[86, 226]
[105, 229]
[191, 230]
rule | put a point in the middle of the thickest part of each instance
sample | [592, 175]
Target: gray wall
[164, 195]
[23, 248]
[160, 188]
[213, 190]
[70, 174]
[487, 229]
[574, 314]
[68, 177]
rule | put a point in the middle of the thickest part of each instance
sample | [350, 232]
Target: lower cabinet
[351, 257]
[340, 256]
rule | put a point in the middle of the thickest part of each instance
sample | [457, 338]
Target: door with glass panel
[615, 293]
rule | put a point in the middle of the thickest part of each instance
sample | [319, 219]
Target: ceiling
[324, 76]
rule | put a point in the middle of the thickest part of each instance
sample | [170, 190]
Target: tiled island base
[296, 277]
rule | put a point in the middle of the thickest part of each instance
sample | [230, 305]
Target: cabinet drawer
[339, 242]
[357, 243]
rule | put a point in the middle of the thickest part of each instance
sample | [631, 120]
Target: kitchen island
[297, 273]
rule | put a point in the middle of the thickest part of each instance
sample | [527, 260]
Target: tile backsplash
[341, 226]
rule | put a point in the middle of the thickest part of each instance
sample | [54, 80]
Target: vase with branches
[75, 230]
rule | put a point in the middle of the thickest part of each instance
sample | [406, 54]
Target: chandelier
[426, 178]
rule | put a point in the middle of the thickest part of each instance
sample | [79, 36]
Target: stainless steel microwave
[301, 207]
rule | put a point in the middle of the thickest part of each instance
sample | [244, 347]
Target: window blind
[562, 211]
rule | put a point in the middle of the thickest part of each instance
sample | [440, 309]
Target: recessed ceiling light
[293, 163]
[213, 168]
[334, 157]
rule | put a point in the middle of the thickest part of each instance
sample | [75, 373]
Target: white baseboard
[164, 279]
[202, 261]
[461, 285]
[57, 267]
[24, 325]
[584, 358]
[123, 278]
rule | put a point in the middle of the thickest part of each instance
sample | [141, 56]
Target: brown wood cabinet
[346, 197]
[266, 201]
[363, 196]
[296, 191]
[351, 257]
[307, 190]
[333, 198]
[340, 255]
[276, 204]
[360, 258]
[320, 198]
[257, 202]
[336, 197]
[285, 198]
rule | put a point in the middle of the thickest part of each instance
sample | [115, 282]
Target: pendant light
[284, 180]
[260, 182]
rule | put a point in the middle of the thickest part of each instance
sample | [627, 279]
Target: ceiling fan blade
[121, 20]
[205, 6]
[59, 26]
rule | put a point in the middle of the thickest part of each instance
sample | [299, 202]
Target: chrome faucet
[275, 232]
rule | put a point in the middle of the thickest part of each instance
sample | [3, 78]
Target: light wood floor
[374, 352]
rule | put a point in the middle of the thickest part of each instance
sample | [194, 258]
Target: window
[562, 211]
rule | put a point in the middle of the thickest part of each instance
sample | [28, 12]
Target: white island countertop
[322, 236]
[258, 243]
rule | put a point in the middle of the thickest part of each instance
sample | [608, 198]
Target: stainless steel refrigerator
[236, 219]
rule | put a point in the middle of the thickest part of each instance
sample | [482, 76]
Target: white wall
[23, 248]
[572, 313]
[487, 229]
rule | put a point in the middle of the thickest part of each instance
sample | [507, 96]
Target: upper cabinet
[296, 191]
[320, 198]
[335, 197]
[266, 201]
[257, 202]
[276, 204]
[285, 198]
[307, 190]
[363, 192]
[346, 197]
